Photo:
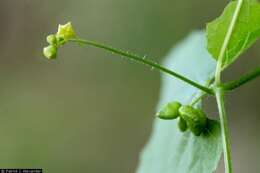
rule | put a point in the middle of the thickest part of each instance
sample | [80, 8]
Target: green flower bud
[66, 31]
[195, 119]
[50, 52]
[170, 111]
[60, 40]
[51, 39]
[182, 125]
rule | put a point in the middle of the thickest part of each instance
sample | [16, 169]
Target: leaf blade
[245, 33]
[169, 150]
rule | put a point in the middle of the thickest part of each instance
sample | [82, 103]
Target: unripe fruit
[182, 125]
[195, 119]
[50, 52]
[170, 111]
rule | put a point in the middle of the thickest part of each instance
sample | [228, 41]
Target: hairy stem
[144, 61]
[224, 130]
[244, 79]
[226, 42]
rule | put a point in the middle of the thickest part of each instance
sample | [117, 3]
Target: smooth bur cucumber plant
[227, 38]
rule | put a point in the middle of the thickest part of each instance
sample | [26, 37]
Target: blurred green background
[90, 111]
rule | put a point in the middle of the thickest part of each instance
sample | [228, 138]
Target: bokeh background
[90, 111]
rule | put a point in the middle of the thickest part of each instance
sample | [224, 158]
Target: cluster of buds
[189, 117]
[65, 32]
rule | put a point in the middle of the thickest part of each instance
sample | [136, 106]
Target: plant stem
[219, 92]
[226, 42]
[200, 97]
[224, 130]
[203, 94]
[144, 61]
[244, 79]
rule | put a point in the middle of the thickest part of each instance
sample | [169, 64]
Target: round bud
[50, 52]
[182, 125]
[170, 111]
[51, 39]
[60, 40]
[195, 119]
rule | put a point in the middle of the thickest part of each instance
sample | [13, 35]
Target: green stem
[244, 79]
[220, 92]
[226, 42]
[203, 94]
[144, 61]
[200, 97]
[224, 130]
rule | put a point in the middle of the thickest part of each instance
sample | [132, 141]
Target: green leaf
[245, 33]
[172, 151]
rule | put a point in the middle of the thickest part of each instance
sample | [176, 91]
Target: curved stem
[203, 94]
[144, 61]
[244, 79]
[224, 130]
[200, 97]
[226, 41]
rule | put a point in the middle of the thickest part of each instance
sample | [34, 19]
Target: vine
[221, 42]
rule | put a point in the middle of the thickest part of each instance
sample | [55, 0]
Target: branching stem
[144, 61]
[202, 94]
[244, 79]
[200, 97]
[219, 92]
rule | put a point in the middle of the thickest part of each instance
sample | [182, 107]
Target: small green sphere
[50, 52]
[60, 40]
[182, 125]
[51, 39]
[170, 111]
